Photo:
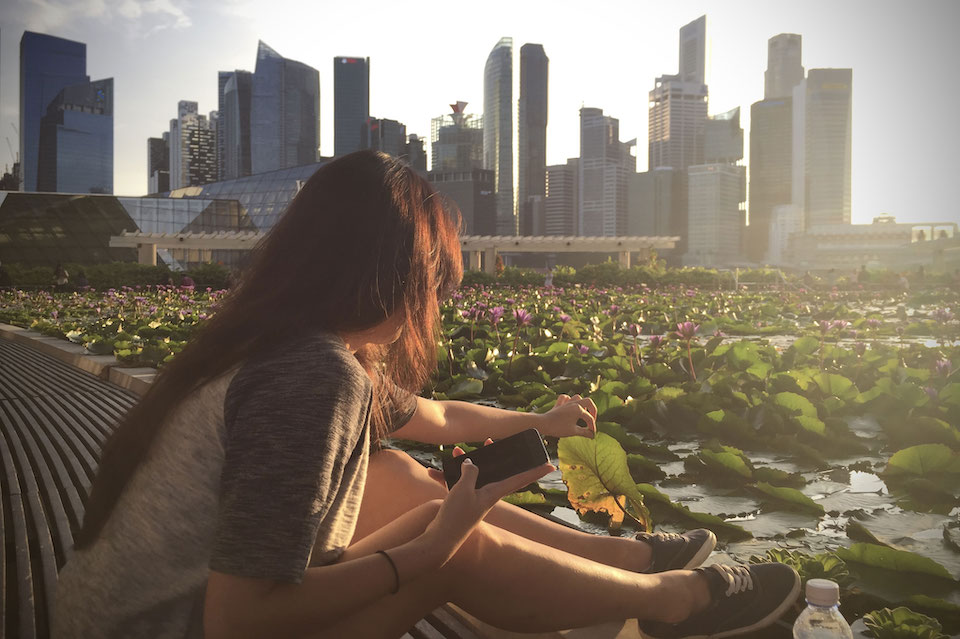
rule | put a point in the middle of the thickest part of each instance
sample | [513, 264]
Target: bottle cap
[823, 592]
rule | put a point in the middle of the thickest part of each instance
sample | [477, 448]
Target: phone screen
[501, 459]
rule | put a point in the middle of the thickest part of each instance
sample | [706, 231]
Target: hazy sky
[604, 53]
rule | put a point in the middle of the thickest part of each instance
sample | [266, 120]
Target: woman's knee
[398, 470]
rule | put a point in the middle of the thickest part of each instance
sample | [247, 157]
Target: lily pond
[817, 428]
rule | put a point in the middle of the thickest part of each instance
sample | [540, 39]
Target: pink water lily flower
[687, 330]
[523, 317]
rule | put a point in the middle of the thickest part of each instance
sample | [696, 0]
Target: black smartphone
[501, 459]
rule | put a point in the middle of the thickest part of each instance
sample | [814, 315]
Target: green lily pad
[790, 497]
[923, 460]
[892, 559]
[598, 478]
[796, 404]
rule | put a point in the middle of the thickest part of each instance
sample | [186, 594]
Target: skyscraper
[677, 119]
[693, 51]
[284, 113]
[605, 163]
[380, 134]
[650, 202]
[456, 140]
[48, 65]
[193, 148]
[771, 142]
[233, 127]
[498, 131]
[532, 113]
[716, 195]
[563, 198]
[826, 95]
[158, 164]
[784, 66]
[76, 140]
[351, 103]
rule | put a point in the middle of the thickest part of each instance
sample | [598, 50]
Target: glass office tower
[498, 131]
[48, 65]
[233, 129]
[532, 158]
[284, 113]
[351, 103]
[76, 140]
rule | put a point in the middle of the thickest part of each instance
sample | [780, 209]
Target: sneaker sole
[702, 553]
[788, 601]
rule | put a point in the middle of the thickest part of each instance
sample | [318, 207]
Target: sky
[605, 53]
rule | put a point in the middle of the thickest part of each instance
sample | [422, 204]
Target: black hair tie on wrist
[396, 573]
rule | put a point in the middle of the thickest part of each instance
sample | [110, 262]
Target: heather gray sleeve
[292, 423]
[401, 404]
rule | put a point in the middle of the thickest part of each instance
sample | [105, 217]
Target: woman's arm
[451, 422]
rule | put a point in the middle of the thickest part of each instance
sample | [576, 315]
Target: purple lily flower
[523, 317]
[565, 318]
[657, 341]
[942, 367]
[584, 350]
[634, 329]
[496, 313]
[687, 330]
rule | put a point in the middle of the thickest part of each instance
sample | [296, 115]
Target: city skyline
[890, 42]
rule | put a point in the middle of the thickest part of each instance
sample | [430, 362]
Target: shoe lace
[738, 578]
[664, 536]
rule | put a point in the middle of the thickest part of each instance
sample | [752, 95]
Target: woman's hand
[570, 416]
[466, 505]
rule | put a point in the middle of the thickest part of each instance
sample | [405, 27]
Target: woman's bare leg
[517, 584]
[397, 483]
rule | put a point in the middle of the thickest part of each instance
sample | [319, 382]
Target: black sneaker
[745, 598]
[678, 552]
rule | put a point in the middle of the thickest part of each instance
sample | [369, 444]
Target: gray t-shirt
[259, 473]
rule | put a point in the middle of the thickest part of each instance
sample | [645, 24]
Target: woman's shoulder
[306, 362]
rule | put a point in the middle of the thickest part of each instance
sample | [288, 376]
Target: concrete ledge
[137, 380]
[105, 367]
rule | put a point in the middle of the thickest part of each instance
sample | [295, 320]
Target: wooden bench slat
[24, 621]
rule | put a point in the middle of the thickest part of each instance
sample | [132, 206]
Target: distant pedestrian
[80, 281]
[61, 279]
[187, 282]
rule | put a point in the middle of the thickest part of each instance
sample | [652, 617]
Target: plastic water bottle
[822, 618]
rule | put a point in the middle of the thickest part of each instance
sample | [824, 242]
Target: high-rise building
[284, 113]
[693, 51]
[351, 103]
[456, 141]
[193, 148]
[678, 116]
[825, 157]
[48, 65]
[498, 131]
[384, 135]
[470, 193]
[532, 112]
[561, 208]
[771, 162]
[233, 127]
[677, 120]
[771, 143]
[76, 140]
[605, 163]
[717, 194]
[784, 66]
[158, 164]
[650, 202]
[416, 153]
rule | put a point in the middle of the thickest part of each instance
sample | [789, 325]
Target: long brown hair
[365, 238]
